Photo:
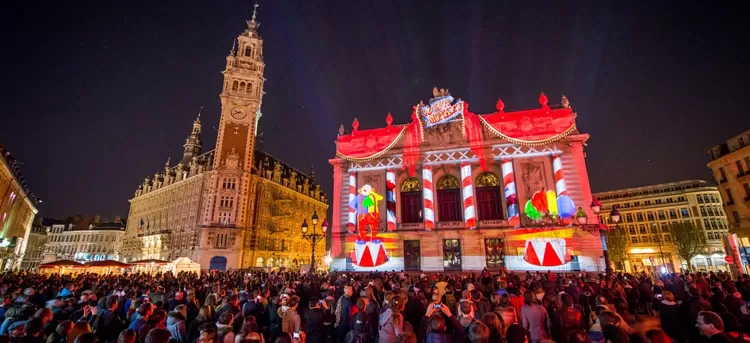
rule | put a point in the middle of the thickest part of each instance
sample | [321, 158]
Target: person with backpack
[449, 298]
[359, 333]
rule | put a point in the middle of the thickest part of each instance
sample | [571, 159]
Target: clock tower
[241, 98]
[225, 211]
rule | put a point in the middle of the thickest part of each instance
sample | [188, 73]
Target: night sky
[97, 94]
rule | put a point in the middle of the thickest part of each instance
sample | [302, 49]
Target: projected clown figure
[366, 206]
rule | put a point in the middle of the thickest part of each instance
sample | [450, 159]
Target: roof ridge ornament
[252, 24]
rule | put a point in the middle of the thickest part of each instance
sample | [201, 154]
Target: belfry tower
[225, 211]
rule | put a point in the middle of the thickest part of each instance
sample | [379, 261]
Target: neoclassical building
[646, 213]
[233, 206]
[454, 190]
[83, 239]
[17, 212]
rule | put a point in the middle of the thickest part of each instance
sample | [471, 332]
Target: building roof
[267, 161]
[652, 190]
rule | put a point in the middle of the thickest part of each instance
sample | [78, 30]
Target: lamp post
[582, 220]
[314, 237]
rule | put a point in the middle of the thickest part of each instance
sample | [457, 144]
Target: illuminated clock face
[239, 113]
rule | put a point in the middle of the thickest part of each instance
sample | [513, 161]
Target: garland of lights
[555, 138]
[376, 155]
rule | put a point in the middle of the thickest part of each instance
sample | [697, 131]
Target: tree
[689, 240]
[617, 246]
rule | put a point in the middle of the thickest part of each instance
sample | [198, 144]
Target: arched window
[242, 87]
[449, 199]
[248, 51]
[411, 201]
[249, 88]
[235, 86]
[487, 187]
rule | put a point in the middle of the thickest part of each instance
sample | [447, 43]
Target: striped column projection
[511, 197]
[560, 186]
[467, 193]
[390, 199]
[429, 198]
[352, 224]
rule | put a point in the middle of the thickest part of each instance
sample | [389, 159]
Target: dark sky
[97, 94]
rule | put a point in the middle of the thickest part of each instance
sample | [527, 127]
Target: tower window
[249, 88]
[236, 130]
[235, 86]
[242, 87]
[248, 51]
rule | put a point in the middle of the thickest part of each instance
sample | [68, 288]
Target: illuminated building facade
[231, 207]
[17, 212]
[83, 239]
[645, 215]
[453, 190]
[730, 164]
[36, 246]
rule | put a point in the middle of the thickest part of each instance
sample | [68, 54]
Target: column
[467, 194]
[390, 198]
[511, 197]
[352, 219]
[560, 185]
[429, 198]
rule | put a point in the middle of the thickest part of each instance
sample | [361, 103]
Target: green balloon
[531, 211]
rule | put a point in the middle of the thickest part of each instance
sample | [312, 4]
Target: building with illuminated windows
[233, 206]
[453, 190]
[83, 239]
[730, 164]
[645, 215]
[17, 212]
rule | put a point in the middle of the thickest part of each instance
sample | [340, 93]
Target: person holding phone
[315, 319]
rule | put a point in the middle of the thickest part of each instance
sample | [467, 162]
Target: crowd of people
[286, 307]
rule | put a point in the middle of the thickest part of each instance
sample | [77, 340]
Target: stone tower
[193, 145]
[225, 211]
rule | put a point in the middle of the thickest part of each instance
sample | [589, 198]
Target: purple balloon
[565, 206]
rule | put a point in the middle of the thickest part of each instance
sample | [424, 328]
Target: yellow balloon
[552, 202]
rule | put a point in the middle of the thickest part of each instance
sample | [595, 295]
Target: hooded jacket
[176, 326]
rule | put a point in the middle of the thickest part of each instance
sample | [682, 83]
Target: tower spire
[201, 109]
[253, 25]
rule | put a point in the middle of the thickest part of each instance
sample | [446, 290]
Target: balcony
[450, 225]
[222, 225]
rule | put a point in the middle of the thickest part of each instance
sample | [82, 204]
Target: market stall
[62, 267]
[184, 264]
[151, 266]
[107, 267]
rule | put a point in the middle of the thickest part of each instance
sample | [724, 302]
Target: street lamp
[314, 237]
[582, 220]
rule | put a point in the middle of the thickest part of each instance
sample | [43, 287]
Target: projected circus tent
[451, 189]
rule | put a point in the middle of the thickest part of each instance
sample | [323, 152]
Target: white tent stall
[184, 264]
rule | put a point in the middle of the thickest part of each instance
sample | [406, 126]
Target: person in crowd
[710, 325]
[108, 324]
[176, 323]
[669, 317]
[127, 336]
[61, 332]
[224, 328]
[535, 319]
[392, 321]
[78, 329]
[204, 316]
[250, 333]
[495, 325]
[344, 307]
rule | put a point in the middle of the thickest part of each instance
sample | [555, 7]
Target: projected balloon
[565, 206]
[531, 211]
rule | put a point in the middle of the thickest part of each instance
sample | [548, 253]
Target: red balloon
[539, 200]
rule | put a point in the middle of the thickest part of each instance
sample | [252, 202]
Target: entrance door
[218, 263]
[412, 255]
[452, 255]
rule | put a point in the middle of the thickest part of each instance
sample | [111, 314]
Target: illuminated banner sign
[441, 110]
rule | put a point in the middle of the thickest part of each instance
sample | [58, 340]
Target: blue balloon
[565, 206]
